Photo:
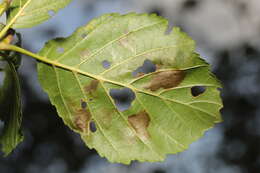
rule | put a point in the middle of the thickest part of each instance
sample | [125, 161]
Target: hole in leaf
[51, 13]
[60, 49]
[122, 97]
[197, 90]
[92, 126]
[83, 104]
[106, 64]
[83, 35]
[147, 67]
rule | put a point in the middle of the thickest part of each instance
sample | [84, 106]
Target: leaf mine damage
[166, 79]
[92, 87]
[197, 90]
[82, 117]
[122, 98]
[147, 67]
[140, 123]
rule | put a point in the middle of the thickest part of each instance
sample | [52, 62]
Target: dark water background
[228, 36]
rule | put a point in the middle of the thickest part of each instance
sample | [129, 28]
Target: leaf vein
[102, 131]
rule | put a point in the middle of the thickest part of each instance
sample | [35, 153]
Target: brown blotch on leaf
[82, 118]
[124, 42]
[92, 87]
[140, 123]
[166, 79]
[84, 54]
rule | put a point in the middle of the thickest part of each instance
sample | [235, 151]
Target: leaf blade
[28, 13]
[170, 117]
[11, 113]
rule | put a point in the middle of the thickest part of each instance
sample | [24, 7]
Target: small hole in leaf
[122, 97]
[83, 35]
[197, 90]
[147, 67]
[83, 104]
[51, 13]
[60, 49]
[106, 64]
[92, 126]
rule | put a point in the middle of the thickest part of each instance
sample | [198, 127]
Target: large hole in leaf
[92, 126]
[197, 90]
[122, 97]
[147, 67]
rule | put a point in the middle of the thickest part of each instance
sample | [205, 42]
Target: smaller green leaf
[28, 13]
[10, 110]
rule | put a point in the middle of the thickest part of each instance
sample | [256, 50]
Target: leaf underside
[164, 116]
[10, 110]
[28, 13]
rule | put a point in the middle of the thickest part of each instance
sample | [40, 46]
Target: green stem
[4, 46]
[26, 52]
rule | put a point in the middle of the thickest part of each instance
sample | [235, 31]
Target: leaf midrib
[101, 79]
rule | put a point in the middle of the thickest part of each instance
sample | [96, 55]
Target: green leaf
[164, 117]
[10, 110]
[28, 13]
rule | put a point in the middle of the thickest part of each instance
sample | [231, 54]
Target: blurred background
[227, 33]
